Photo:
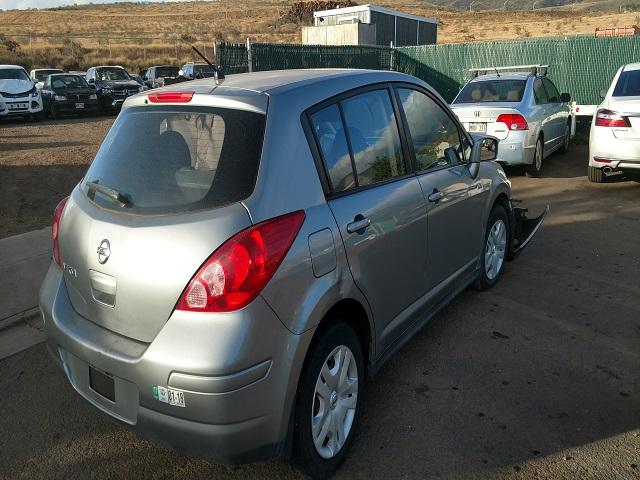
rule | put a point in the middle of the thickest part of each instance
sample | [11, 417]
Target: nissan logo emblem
[104, 251]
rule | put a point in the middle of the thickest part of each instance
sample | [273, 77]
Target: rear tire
[495, 248]
[324, 403]
[596, 175]
[535, 169]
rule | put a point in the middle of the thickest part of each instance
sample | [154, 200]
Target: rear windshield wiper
[122, 198]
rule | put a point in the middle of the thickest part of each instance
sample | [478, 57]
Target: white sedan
[614, 140]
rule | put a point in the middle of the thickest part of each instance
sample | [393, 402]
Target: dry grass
[75, 38]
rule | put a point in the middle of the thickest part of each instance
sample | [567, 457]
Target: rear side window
[375, 141]
[552, 91]
[487, 91]
[176, 159]
[327, 126]
[539, 92]
[628, 84]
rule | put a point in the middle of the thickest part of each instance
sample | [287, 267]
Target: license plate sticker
[478, 127]
[79, 105]
[169, 395]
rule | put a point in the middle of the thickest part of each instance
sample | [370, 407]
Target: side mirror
[603, 93]
[92, 85]
[565, 97]
[484, 149]
[91, 81]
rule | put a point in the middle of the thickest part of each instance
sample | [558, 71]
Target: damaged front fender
[523, 229]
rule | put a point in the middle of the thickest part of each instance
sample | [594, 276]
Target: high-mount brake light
[234, 274]
[513, 121]
[609, 118]
[55, 231]
[171, 97]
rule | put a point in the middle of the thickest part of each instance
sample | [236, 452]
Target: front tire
[328, 401]
[596, 175]
[535, 169]
[494, 253]
[53, 112]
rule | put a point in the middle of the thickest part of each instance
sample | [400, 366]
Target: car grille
[124, 93]
[15, 95]
[78, 97]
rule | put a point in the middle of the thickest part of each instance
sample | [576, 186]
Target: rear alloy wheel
[596, 175]
[327, 406]
[494, 253]
[535, 169]
[567, 138]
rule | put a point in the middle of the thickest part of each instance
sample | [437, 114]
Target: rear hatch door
[180, 174]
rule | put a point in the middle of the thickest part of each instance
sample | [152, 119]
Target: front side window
[488, 91]
[435, 136]
[539, 92]
[331, 138]
[373, 134]
[552, 91]
[175, 159]
[628, 84]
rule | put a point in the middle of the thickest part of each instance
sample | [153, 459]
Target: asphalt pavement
[538, 378]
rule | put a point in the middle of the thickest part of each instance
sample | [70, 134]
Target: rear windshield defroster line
[172, 159]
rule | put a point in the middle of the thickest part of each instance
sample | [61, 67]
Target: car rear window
[177, 159]
[167, 71]
[487, 91]
[628, 84]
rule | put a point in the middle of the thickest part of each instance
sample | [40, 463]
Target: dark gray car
[240, 257]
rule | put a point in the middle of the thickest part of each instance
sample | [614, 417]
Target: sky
[22, 4]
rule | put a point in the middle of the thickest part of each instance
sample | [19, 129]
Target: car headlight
[60, 98]
[107, 91]
[93, 96]
[34, 92]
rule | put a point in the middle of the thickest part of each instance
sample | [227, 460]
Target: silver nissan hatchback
[241, 256]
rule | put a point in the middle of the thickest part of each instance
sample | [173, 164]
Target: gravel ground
[536, 379]
[40, 163]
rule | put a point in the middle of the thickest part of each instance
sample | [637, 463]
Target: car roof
[631, 66]
[284, 80]
[7, 67]
[65, 74]
[41, 69]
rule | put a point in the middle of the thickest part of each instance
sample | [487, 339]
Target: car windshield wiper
[122, 198]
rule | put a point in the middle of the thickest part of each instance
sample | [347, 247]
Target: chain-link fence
[580, 65]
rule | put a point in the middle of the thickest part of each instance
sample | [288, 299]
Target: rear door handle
[435, 196]
[359, 224]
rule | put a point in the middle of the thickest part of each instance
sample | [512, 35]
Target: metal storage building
[402, 29]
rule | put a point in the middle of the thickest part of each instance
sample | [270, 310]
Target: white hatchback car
[614, 140]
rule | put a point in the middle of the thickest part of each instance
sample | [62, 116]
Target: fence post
[31, 48]
[249, 55]
[215, 53]
[109, 44]
[144, 49]
[175, 44]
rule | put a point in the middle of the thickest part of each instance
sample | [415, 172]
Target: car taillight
[55, 231]
[609, 118]
[513, 121]
[171, 97]
[241, 267]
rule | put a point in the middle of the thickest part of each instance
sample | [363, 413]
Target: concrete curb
[24, 260]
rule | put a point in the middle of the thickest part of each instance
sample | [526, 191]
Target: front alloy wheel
[495, 249]
[334, 402]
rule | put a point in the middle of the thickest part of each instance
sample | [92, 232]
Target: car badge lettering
[104, 251]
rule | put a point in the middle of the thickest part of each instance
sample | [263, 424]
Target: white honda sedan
[614, 141]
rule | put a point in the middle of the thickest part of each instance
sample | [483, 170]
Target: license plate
[79, 105]
[169, 395]
[102, 384]
[16, 106]
[478, 127]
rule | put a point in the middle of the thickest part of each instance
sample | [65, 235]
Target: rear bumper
[238, 372]
[608, 150]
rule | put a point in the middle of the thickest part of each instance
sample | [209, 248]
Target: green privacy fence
[580, 65]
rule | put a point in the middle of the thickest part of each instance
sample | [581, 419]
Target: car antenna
[217, 70]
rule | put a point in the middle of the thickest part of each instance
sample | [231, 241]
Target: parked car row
[100, 90]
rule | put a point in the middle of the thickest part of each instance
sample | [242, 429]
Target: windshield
[176, 159]
[203, 69]
[68, 81]
[628, 84]
[113, 74]
[487, 91]
[167, 72]
[41, 75]
[14, 74]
